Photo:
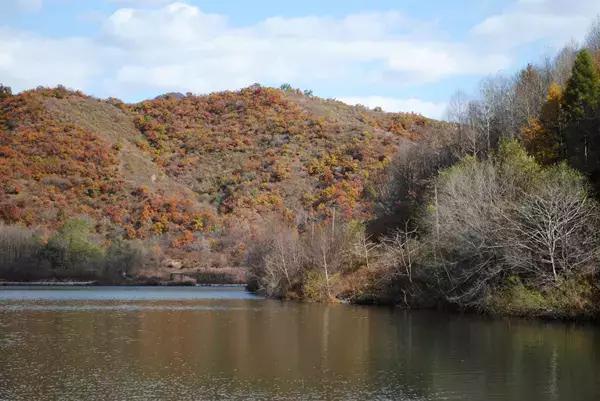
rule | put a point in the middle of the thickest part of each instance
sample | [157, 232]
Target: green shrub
[575, 296]
[315, 286]
[71, 247]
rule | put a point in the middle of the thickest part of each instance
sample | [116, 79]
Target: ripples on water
[207, 344]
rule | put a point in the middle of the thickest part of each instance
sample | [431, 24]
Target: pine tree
[582, 116]
[582, 93]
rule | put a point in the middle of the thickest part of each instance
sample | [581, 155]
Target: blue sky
[403, 55]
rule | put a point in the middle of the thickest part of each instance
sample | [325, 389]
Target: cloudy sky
[408, 55]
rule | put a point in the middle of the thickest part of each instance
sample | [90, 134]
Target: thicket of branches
[71, 252]
[288, 261]
[508, 216]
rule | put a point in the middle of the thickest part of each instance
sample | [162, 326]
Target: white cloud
[27, 61]
[553, 21]
[153, 46]
[178, 47]
[372, 25]
[177, 24]
[391, 104]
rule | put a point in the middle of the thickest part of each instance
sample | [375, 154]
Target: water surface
[189, 343]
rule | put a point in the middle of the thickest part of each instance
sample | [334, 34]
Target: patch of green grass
[569, 297]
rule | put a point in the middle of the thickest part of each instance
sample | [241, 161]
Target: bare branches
[363, 247]
[400, 253]
[554, 229]
[592, 39]
[276, 259]
[507, 216]
[283, 257]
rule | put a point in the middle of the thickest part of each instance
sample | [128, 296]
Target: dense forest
[494, 210]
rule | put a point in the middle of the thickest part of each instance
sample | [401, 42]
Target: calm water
[213, 344]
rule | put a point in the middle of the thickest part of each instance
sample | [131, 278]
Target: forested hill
[190, 175]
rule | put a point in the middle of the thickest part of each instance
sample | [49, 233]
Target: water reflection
[197, 349]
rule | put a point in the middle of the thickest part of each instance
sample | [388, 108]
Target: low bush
[572, 297]
[71, 248]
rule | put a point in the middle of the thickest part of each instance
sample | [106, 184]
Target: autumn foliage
[185, 169]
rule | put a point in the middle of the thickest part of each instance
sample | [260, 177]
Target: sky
[402, 55]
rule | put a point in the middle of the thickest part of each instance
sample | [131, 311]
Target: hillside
[191, 175]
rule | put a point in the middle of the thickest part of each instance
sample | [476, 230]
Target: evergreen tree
[582, 93]
[582, 116]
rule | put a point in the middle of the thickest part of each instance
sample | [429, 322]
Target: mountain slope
[193, 174]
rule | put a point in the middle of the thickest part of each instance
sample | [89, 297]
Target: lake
[192, 343]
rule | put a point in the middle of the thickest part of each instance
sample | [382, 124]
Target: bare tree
[563, 64]
[276, 259]
[475, 130]
[554, 230]
[400, 253]
[284, 263]
[363, 247]
[282, 257]
[460, 111]
[329, 249]
[457, 108]
[531, 86]
[500, 95]
[592, 39]
[464, 230]
[487, 109]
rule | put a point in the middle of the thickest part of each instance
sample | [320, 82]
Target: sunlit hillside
[192, 174]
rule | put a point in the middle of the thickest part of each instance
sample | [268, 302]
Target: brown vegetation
[190, 174]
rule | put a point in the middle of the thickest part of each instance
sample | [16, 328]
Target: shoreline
[99, 284]
[548, 315]
[47, 283]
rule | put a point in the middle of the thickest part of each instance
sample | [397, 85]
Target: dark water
[224, 344]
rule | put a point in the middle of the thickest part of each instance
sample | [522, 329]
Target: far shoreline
[544, 316]
[100, 284]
